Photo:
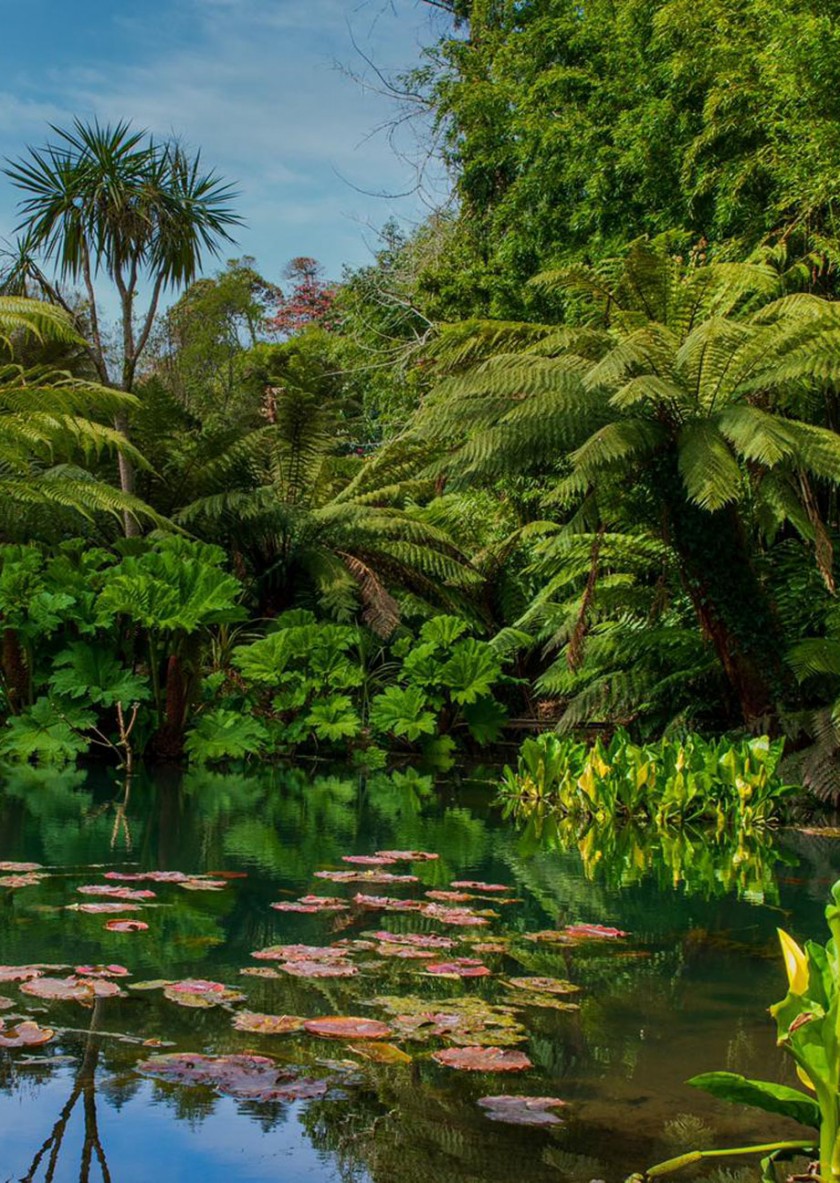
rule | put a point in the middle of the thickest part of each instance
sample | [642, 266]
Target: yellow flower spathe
[796, 963]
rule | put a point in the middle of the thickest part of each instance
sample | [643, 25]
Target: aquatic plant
[807, 1021]
[669, 782]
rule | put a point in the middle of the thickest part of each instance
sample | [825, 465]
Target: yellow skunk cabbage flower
[796, 963]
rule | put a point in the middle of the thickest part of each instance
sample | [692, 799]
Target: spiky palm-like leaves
[668, 404]
[311, 521]
[52, 434]
[110, 201]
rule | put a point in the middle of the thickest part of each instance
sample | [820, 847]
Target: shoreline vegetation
[563, 458]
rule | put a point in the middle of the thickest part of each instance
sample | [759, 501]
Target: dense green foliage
[565, 455]
[667, 782]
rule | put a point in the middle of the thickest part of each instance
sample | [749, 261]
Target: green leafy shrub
[446, 684]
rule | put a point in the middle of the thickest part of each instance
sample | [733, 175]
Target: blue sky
[254, 83]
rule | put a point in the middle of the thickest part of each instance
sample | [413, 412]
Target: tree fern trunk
[733, 608]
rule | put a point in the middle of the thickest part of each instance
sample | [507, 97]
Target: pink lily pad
[247, 1077]
[594, 932]
[102, 909]
[462, 967]
[26, 1034]
[102, 971]
[375, 878]
[347, 1027]
[385, 903]
[316, 904]
[405, 952]
[20, 868]
[460, 917]
[408, 856]
[70, 989]
[522, 1110]
[117, 893]
[146, 876]
[368, 860]
[199, 884]
[200, 993]
[19, 973]
[16, 881]
[319, 969]
[299, 953]
[419, 940]
[451, 897]
[126, 926]
[475, 885]
[483, 1059]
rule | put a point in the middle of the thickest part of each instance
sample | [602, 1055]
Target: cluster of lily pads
[470, 1032]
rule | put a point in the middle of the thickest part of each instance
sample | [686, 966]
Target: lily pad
[19, 973]
[257, 1024]
[299, 953]
[461, 967]
[386, 903]
[405, 952]
[247, 1077]
[24, 880]
[323, 904]
[20, 868]
[71, 989]
[319, 969]
[522, 1110]
[459, 917]
[598, 932]
[259, 971]
[6, 1003]
[419, 940]
[131, 894]
[368, 860]
[200, 993]
[476, 885]
[483, 1059]
[467, 1021]
[544, 985]
[102, 971]
[381, 1053]
[26, 1034]
[375, 878]
[146, 876]
[126, 926]
[347, 1027]
[102, 909]
[199, 884]
[409, 856]
[451, 897]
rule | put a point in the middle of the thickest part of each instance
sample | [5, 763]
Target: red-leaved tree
[310, 301]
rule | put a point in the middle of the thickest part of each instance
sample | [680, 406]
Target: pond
[684, 991]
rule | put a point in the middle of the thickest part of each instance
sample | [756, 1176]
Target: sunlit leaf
[347, 1027]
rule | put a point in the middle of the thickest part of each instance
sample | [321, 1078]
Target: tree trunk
[127, 478]
[15, 672]
[169, 742]
[732, 607]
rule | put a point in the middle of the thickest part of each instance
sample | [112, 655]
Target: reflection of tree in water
[410, 1129]
[84, 1090]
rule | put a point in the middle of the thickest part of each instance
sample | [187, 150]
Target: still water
[684, 992]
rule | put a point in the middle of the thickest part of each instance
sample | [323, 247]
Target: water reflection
[685, 994]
